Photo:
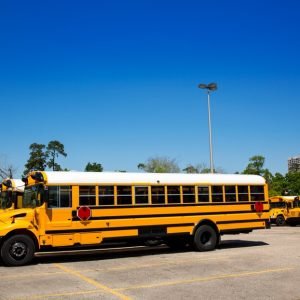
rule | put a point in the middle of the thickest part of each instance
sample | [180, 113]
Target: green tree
[54, 149]
[277, 185]
[37, 158]
[255, 165]
[190, 169]
[268, 176]
[93, 167]
[200, 168]
[160, 164]
[293, 183]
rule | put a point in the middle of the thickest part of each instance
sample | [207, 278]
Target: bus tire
[280, 221]
[205, 238]
[17, 250]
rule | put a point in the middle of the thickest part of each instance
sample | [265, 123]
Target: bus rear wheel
[280, 221]
[17, 250]
[205, 238]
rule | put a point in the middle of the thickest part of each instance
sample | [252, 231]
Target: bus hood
[9, 216]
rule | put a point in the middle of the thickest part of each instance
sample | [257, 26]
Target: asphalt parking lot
[264, 264]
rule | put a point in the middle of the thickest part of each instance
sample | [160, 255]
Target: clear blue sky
[116, 81]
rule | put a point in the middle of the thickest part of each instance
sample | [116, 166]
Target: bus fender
[23, 232]
[206, 222]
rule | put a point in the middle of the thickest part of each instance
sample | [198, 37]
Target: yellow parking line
[43, 296]
[199, 279]
[93, 282]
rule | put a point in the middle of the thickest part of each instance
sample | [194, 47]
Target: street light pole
[210, 138]
[209, 87]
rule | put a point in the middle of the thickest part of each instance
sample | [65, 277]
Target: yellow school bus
[285, 210]
[91, 208]
[11, 193]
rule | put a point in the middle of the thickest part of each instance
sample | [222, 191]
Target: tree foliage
[293, 183]
[53, 150]
[255, 165]
[41, 156]
[160, 164]
[277, 185]
[200, 168]
[93, 167]
[37, 158]
[288, 184]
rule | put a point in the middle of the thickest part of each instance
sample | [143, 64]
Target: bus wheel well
[23, 232]
[209, 223]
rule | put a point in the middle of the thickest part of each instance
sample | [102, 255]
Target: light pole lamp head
[202, 86]
[210, 87]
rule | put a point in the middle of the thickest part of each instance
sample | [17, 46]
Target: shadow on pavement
[240, 244]
[126, 252]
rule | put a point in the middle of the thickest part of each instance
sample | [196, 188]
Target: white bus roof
[149, 178]
[17, 184]
[284, 198]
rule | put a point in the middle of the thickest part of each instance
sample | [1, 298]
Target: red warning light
[84, 213]
[259, 207]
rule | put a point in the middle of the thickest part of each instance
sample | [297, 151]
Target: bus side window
[243, 193]
[106, 195]
[124, 195]
[173, 194]
[230, 193]
[257, 193]
[141, 195]
[188, 194]
[65, 196]
[203, 194]
[87, 195]
[158, 194]
[217, 193]
[59, 196]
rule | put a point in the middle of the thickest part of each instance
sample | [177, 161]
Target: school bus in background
[11, 193]
[90, 208]
[285, 210]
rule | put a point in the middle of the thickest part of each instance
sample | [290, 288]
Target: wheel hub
[18, 250]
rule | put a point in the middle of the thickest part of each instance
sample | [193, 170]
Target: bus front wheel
[17, 250]
[205, 238]
[280, 221]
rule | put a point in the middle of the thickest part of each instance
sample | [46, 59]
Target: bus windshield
[33, 196]
[6, 199]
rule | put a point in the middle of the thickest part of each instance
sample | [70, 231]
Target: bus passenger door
[58, 221]
[287, 209]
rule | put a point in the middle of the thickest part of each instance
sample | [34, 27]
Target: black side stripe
[75, 218]
[116, 228]
[242, 221]
[240, 230]
[60, 231]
